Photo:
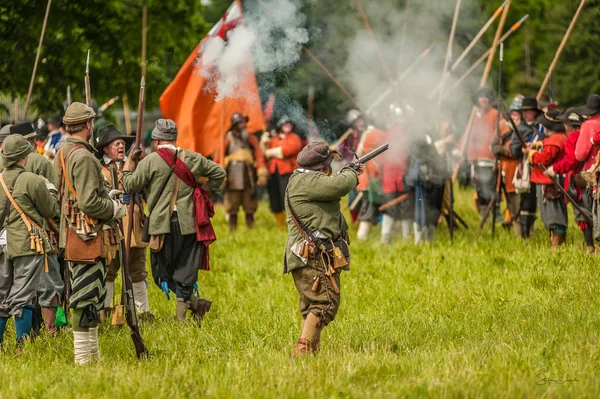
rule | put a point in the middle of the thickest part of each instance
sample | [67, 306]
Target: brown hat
[78, 113]
[14, 148]
[316, 155]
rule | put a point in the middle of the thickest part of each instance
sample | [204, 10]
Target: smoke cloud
[270, 37]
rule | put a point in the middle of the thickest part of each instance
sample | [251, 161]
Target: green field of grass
[483, 317]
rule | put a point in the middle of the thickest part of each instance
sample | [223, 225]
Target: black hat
[530, 104]
[106, 135]
[572, 117]
[316, 155]
[237, 118]
[551, 121]
[25, 129]
[592, 106]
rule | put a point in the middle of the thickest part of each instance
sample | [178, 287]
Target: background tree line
[112, 30]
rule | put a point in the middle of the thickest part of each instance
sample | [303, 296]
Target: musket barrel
[375, 153]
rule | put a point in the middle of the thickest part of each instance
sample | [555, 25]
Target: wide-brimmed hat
[14, 148]
[78, 113]
[4, 132]
[24, 129]
[592, 106]
[572, 117]
[316, 155]
[530, 104]
[551, 120]
[107, 134]
[236, 118]
[164, 129]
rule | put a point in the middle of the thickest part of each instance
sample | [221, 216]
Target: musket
[401, 198]
[88, 91]
[496, 199]
[368, 156]
[127, 285]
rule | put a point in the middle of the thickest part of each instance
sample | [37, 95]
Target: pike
[107, 104]
[558, 186]
[125, 250]
[88, 91]
[68, 96]
[479, 34]
[37, 59]
[483, 57]
[401, 198]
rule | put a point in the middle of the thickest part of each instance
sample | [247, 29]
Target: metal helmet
[353, 116]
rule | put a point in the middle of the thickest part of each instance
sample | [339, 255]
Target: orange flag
[193, 100]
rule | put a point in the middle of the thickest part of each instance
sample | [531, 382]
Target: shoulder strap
[301, 226]
[28, 222]
[63, 166]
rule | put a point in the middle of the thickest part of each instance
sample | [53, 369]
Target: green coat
[39, 165]
[150, 176]
[32, 196]
[85, 174]
[315, 198]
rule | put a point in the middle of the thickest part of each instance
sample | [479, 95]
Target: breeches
[51, 283]
[19, 280]
[137, 266]
[323, 302]
[277, 185]
[236, 198]
[178, 261]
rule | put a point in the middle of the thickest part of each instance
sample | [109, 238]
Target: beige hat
[14, 148]
[4, 132]
[78, 113]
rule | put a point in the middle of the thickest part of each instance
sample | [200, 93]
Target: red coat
[372, 138]
[483, 132]
[291, 145]
[553, 150]
[569, 163]
[394, 161]
[584, 150]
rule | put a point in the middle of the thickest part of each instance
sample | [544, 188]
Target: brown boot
[199, 307]
[591, 249]
[233, 222]
[249, 220]
[181, 309]
[49, 315]
[280, 220]
[311, 336]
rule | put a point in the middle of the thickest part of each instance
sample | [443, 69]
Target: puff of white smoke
[267, 41]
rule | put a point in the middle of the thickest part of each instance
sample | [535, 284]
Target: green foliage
[483, 317]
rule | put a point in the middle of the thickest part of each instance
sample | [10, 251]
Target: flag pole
[37, 58]
[560, 49]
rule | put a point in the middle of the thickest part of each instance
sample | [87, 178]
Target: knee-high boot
[23, 324]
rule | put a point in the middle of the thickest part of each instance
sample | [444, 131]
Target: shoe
[199, 307]
[147, 317]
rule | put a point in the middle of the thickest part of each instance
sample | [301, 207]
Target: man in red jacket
[281, 152]
[570, 167]
[553, 209]
[587, 144]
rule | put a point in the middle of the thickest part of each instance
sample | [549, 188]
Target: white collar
[107, 160]
[169, 146]
[302, 170]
